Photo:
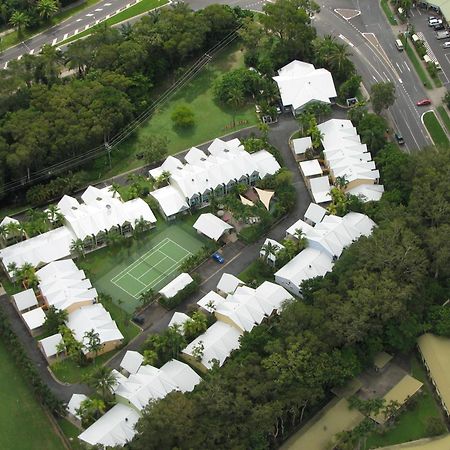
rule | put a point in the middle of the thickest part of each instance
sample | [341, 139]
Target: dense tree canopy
[379, 296]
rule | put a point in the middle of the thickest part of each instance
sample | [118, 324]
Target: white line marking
[65, 36]
[31, 51]
[406, 65]
[19, 58]
[54, 41]
[78, 20]
[399, 68]
[76, 31]
[87, 26]
[90, 15]
[98, 9]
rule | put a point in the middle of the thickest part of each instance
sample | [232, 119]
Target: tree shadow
[183, 132]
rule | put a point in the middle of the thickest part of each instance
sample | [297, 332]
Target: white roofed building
[176, 285]
[228, 284]
[34, 320]
[300, 146]
[320, 189]
[131, 361]
[211, 226]
[73, 405]
[95, 317]
[50, 346]
[6, 237]
[270, 257]
[178, 320]
[346, 157]
[210, 301]
[25, 300]
[301, 83]
[212, 172]
[315, 213]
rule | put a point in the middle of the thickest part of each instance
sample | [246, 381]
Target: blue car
[218, 258]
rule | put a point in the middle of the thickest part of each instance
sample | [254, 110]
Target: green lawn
[211, 119]
[444, 116]
[412, 423]
[71, 432]
[23, 423]
[13, 38]
[434, 128]
[421, 72]
[389, 14]
[103, 265]
[135, 10]
[256, 272]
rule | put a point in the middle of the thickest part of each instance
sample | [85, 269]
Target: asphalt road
[85, 19]
[371, 42]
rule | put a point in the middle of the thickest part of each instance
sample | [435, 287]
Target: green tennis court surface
[151, 268]
[149, 263]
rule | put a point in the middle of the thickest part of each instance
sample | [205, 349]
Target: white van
[399, 45]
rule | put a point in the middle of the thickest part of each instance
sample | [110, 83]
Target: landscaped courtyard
[147, 263]
[23, 422]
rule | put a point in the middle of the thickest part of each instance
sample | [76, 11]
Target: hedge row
[29, 371]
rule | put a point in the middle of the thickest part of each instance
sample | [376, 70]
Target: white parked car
[446, 44]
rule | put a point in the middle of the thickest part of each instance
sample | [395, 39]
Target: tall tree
[382, 96]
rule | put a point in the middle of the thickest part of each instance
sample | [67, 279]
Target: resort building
[301, 83]
[206, 174]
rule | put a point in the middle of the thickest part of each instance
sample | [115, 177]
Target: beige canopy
[265, 197]
[246, 201]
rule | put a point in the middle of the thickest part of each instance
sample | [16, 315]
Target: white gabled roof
[265, 162]
[218, 341]
[176, 285]
[300, 82]
[115, 427]
[306, 228]
[75, 403]
[315, 213]
[34, 318]
[179, 319]
[300, 145]
[7, 220]
[93, 317]
[171, 164]
[55, 269]
[25, 299]
[210, 301]
[50, 344]
[320, 188]
[93, 194]
[181, 374]
[131, 361]
[309, 263]
[362, 223]
[211, 226]
[170, 200]
[273, 294]
[39, 250]
[367, 192]
[228, 283]
[310, 168]
[137, 209]
[271, 256]
[195, 155]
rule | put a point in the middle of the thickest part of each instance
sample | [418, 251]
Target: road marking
[406, 65]
[108, 4]
[87, 26]
[89, 15]
[76, 31]
[400, 81]
[118, 11]
[78, 20]
[54, 41]
[98, 9]
[31, 51]
[399, 68]
[19, 58]
[6, 64]
[346, 40]
[128, 5]
[65, 36]
[386, 76]
[107, 16]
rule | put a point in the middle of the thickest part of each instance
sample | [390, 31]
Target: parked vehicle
[218, 258]
[424, 102]
[399, 138]
[433, 22]
[439, 26]
[399, 45]
[446, 44]
[138, 319]
[442, 34]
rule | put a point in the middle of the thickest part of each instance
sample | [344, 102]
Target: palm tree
[47, 8]
[14, 231]
[77, 247]
[54, 214]
[51, 60]
[163, 179]
[114, 188]
[301, 239]
[339, 58]
[90, 410]
[26, 274]
[103, 380]
[269, 249]
[236, 100]
[19, 20]
[140, 226]
[93, 344]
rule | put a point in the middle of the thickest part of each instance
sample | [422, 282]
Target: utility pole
[108, 149]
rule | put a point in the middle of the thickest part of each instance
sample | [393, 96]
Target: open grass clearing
[211, 119]
[71, 432]
[444, 116]
[433, 126]
[142, 7]
[23, 422]
[412, 423]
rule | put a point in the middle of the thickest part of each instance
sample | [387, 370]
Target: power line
[116, 140]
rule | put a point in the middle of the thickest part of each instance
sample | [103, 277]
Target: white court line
[154, 266]
[135, 263]
[123, 289]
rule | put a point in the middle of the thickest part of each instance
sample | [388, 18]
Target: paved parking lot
[419, 18]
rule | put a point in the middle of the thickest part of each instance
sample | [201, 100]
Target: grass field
[434, 128]
[444, 116]
[149, 263]
[211, 119]
[412, 423]
[135, 10]
[23, 423]
[71, 432]
[389, 14]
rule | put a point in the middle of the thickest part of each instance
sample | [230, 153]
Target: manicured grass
[211, 119]
[434, 128]
[416, 63]
[389, 14]
[412, 423]
[13, 38]
[257, 272]
[135, 10]
[71, 432]
[444, 116]
[23, 423]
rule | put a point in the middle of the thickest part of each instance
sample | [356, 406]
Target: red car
[424, 102]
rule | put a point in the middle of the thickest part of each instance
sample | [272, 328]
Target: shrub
[435, 427]
[183, 117]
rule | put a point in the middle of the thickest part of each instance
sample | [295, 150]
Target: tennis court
[151, 268]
